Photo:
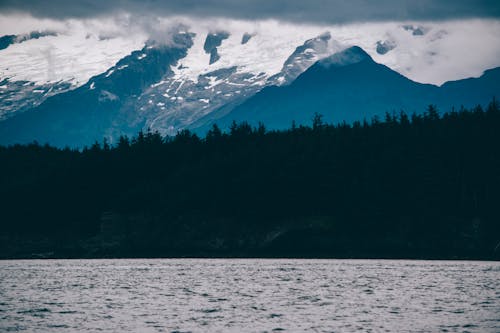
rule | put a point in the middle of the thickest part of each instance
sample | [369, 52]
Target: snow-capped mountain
[212, 71]
[39, 64]
[104, 106]
[349, 86]
[186, 76]
[181, 99]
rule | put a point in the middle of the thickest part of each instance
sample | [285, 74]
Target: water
[249, 295]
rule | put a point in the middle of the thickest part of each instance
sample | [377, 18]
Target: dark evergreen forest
[406, 186]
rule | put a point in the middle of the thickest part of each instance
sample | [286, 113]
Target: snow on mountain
[265, 52]
[73, 58]
[201, 85]
[104, 106]
[349, 86]
[56, 62]
[304, 56]
[227, 62]
[19, 96]
[81, 50]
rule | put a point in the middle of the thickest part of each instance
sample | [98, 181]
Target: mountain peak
[349, 56]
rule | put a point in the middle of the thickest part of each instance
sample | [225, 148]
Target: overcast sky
[310, 11]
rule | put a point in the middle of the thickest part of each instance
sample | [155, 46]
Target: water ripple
[249, 295]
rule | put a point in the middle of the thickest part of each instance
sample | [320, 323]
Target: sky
[308, 11]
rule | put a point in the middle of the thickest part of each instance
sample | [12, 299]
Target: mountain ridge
[85, 114]
[350, 86]
[144, 90]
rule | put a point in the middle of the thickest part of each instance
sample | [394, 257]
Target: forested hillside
[412, 186]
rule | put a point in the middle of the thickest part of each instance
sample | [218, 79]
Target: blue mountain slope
[130, 96]
[86, 114]
[350, 86]
[472, 91]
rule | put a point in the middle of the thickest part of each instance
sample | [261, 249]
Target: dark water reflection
[228, 295]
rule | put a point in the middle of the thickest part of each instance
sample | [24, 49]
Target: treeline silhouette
[415, 186]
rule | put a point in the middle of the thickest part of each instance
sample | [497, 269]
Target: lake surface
[249, 295]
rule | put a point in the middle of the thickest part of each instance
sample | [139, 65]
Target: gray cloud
[317, 11]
